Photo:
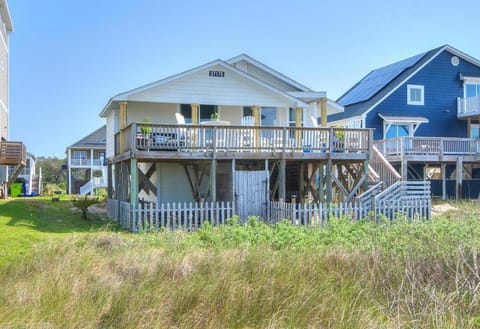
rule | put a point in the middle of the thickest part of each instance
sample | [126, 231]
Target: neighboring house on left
[11, 153]
[29, 175]
[86, 163]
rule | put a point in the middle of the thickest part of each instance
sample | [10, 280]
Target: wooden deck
[429, 149]
[151, 142]
[12, 153]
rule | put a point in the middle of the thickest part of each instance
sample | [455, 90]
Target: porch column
[459, 177]
[123, 124]
[444, 178]
[195, 117]
[69, 171]
[298, 124]
[323, 112]
[257, 122]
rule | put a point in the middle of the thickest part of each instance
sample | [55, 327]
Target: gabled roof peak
[266, 69]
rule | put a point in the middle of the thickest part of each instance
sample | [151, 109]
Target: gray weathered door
[251, 193]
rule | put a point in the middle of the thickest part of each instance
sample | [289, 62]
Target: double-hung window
[415, 95]
[206, 112]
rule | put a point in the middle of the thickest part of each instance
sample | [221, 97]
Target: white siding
[262, 75]
[111, 128]
[154, 112]
[200, 88]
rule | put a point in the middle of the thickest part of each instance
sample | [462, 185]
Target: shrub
[82, 203]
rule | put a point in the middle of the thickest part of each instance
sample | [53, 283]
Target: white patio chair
[247, 134]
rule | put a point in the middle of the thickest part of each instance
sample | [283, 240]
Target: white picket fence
[315, 214]
[147, 217]
[402, 200]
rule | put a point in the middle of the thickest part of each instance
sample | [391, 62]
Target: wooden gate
[251, 193]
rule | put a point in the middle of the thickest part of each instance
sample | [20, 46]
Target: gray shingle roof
[95, 140]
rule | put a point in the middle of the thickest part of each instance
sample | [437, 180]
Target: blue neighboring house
[425, 112]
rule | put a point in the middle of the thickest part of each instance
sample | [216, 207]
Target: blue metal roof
[376, 80]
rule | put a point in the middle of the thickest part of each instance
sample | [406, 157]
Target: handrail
[438, 146]
[191, 138]
[380, 164]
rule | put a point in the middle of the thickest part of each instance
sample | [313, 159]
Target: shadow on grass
[43, 215]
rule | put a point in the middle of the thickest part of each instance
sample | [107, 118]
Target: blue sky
[67, 58]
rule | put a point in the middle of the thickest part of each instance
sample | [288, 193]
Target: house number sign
[216, 74]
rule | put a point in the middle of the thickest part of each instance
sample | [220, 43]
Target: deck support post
[329, 178]
[69, 171]
[365, 173]
[159, 184]
[133, 183]
[233, 180]
[301, 182]
[213, 179]
[321, 183]
[459, 177]
[404, 169]
[444, 178]
[283, 182]
[91, 170]
[117, 188]
[109, 181]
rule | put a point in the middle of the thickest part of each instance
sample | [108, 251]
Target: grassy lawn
[26, 222]
[61, 272]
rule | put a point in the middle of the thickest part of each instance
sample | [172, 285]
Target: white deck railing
[191, 138]
[428, 146]
[468, 106]
[87, 162]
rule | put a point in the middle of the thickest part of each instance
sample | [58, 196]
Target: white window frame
[409, 94]
[472, 125]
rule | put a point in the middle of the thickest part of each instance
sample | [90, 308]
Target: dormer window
[415, 95]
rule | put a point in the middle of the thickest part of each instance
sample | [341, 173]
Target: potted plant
[215, 116]
[339, 139]
[145, 128]
[145, 138]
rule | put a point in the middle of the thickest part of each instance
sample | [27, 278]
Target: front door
[251, 193]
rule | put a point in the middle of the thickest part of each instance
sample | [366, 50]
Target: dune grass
[363, 275]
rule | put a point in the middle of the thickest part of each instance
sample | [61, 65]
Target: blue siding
[442, 86]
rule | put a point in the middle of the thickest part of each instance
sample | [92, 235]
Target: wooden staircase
[12, 154]
[381, 170]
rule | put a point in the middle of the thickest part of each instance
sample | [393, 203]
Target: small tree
[83, 202]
